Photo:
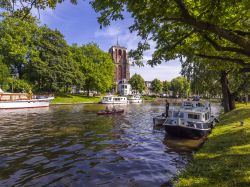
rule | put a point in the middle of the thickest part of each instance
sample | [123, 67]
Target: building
[148, 90]
[122, 67]
[124, 88]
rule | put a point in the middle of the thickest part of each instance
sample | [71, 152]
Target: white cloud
[164, 71]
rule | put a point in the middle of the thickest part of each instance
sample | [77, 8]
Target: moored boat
[134, 99]
[192, 120]
[23, 100]
[160, 119]
[114, 100]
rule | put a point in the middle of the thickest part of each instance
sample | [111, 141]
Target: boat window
[205, 126]
[175, 114]
[169, 114]
[198, 125]
[169, 121]
[206, 116]
[188, 104]
[189, 124]
[181, 114]
[193, 116]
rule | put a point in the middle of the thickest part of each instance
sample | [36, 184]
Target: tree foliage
[189, 30]
[4, 74]
[97, 67]
[137, 83]
[180, 87]
[156, 86]
[203, 28]
[40, 56]
[166, 86]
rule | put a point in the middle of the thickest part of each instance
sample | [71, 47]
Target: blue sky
[78, 23]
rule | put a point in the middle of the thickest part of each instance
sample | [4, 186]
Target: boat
[114, 100]
[109, 112]
[192, 120]
[134, 99]
[23, 100]
[160, 119]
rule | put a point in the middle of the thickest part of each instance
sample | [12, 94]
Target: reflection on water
[71, 145]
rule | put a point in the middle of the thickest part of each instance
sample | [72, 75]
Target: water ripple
[72, 146]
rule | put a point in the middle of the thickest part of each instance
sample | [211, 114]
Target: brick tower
[120, 58]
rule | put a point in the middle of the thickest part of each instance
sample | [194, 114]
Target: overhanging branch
[229, 59]
[229, 49]
[206, 26]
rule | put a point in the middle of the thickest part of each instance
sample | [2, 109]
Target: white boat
[192, 120]
[23, 100]
[114, 100]
[160, 119]
[134, 99]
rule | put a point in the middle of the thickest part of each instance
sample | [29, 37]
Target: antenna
[117, 43]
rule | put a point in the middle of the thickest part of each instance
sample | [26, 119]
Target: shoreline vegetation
[224, 159]
[61, 99]
[74, 99]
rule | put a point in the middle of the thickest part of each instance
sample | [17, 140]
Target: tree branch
[206, 26]
[234, 60]
[230, 49]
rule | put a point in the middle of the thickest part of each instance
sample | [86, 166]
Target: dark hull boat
[186, 132]
[159, 120]
[104, 112]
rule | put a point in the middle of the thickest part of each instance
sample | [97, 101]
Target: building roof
[118, 46]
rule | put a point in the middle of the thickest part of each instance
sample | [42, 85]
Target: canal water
[69, 145]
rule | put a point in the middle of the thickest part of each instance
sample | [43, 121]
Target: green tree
[4, 74]
[51, 66]
[137, 83]
[98, 69]
[200, 29]
[156, 86]
[22, 9]
[16, 41]
[180, 86]
[18, 85]
[166, 86]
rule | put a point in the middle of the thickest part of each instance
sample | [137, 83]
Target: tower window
[120, 52]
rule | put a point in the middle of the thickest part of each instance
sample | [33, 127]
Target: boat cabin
[114, 100]
[14, 96]
[195, 104]
[190, 115]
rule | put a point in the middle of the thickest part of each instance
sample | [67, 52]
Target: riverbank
[224, 160]
[74, 99]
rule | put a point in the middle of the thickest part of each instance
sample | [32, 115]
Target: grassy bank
[148, 98]
[224, 160]
[70, 99]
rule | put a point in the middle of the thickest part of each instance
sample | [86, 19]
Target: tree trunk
[224, 86]
[20, 71]
[232, 101]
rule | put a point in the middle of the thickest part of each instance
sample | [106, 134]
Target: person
[30, 94]
[167, 107]
[107, 109]
[113, 109]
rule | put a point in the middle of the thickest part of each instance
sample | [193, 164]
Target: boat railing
[22, 96]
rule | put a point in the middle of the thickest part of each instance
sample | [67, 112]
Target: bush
[18, 85]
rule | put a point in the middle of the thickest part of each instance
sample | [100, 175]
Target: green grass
[224, 160]
[148, 98]
[71, 99]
